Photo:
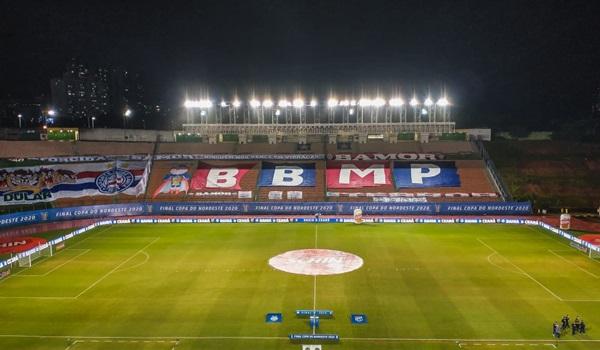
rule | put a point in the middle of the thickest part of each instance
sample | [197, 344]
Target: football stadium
[358, 223]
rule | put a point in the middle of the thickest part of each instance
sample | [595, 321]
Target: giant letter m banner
[357, 174]
[429, 174]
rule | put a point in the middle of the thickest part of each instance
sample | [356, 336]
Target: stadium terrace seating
[177, 180]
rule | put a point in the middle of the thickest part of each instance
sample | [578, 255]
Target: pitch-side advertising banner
[287, 175]
[358, 174]
[425, 174]
[218, 177]
[52, 182]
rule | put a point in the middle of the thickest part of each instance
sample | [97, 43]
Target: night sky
[532, 62]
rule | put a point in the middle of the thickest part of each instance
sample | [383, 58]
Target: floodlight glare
[423, 111]
[127, 112]
[352, 103]
[267, 103]
[351, 111]
[332, 102]
[344, 103]
[223, 104]
[277, 112]
[414, 102]
[379, 102]
[254, 103]
[442, 102]
[313, 103]
[396, 102]
[197, 104]
[283, 103]
[236, 104]
[428, 102]
[203, 113]
[298, 103]
[365, 102]
[51, 112]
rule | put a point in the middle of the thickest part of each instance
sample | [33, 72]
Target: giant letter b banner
[290, 175]
[429, 174]
[218, 177]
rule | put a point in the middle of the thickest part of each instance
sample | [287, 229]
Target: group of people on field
[578, 326]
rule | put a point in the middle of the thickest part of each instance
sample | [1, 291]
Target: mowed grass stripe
[206, 280]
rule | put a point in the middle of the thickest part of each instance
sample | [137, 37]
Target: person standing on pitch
[555, 330]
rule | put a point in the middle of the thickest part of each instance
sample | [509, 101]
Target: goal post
[594, 253]
[36, 253]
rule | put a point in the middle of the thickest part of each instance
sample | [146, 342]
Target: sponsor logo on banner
[413, 195]
[361, 157]
[357, 174]
[289, 175]
[294, 194]
[215, 177]
[51, 182]
[176, 181]
[275, 195]
[358, 318]
[274, 317]
[425, 174]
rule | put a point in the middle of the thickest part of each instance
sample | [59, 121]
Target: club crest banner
[216, 177]
[358, 174]
[176, 181]
[51, 182]
[288, 175]
[425, 174]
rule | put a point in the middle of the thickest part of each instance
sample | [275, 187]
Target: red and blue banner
[425, 174]
[287, 175]
[218, 177]
[52, 182]
[358, 174]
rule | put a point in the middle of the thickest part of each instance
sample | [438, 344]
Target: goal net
[593, 253]
[26, 261]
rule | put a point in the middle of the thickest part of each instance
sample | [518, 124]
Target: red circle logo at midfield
[19, 244]
[316, 262]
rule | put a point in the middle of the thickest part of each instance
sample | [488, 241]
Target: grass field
[208, 286]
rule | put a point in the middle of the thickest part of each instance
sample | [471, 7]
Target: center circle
[315, 262]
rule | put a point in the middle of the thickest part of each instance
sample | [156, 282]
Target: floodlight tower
[298, 104]
[268, 105]
[397, 103]
[444, 106]
[428, 103]
[255, 110]
[332, 104]
[414, 103]
[236, 104]
[313, 107]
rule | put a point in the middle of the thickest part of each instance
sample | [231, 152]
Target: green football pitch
[209, 286]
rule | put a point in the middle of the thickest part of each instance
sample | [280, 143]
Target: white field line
[559, 240]
[522, 271]
[390, 339]
[67, 248]
[314, 328]
[146, 259]
[116, 268]
[572, 263]
[84, 251]
[489, 259]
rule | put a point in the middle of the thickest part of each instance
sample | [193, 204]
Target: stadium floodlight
[51, 112]
[197, 104]
[414, 102]
[277, 112]
[236, 104]
[378, 102]
[267, 103]
[283, 103]
[203, 113]
[298, 103]
[365, 102]
[396, 102]
[352, 103]
[313, 103]
[254, 103]
[332, 102]
[351, 111]
[424, 111]
[127, 112]
[442, 102]
[428, 102]
[344, 103]
[223, 104]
